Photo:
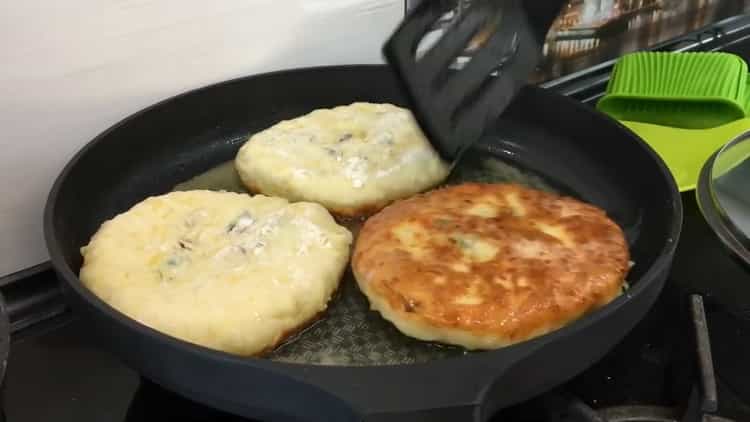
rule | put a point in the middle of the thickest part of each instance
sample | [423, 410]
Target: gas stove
[685, 361]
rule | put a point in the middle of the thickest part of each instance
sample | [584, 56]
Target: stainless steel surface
[640, 414]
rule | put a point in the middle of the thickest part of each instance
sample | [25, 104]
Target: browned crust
[287, 335]
[522, 295]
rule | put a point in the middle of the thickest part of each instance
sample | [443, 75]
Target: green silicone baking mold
[683, 90]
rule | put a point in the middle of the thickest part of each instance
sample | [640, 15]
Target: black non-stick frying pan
[4, 352]
[554, 139]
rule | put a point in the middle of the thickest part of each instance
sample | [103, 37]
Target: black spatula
[502, 41]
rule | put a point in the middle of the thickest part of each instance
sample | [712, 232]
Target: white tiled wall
[69, 69]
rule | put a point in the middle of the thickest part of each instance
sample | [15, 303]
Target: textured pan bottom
[349, 333]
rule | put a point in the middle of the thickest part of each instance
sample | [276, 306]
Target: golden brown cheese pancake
[488, 265]
[219, 269]
[352, 159]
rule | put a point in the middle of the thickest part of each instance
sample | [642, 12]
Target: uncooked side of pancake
[352, 159]
[487, 265]
[223, 270]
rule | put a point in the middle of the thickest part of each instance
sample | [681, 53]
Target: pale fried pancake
[352, 159]
[223, 270]
[488, 265]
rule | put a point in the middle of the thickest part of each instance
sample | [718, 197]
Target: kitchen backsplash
[69, 70]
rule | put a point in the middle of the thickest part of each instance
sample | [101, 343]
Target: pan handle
[483, 375]
[495, 396]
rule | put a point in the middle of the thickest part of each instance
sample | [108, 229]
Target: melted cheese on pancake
[223, 270]
[352, 159]
[488, 265]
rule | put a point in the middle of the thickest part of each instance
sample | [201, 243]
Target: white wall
[69, 69]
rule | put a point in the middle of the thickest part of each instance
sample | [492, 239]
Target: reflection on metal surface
[650, 414]
[640, 414]
[703, 402]
[730, 177]
[721, 194]
[589, 32]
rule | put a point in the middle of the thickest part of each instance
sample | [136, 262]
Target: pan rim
[71, 279]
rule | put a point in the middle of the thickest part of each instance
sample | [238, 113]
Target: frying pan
[4, 352]
[580, 151]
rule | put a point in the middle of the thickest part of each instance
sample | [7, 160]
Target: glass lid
[724, 194]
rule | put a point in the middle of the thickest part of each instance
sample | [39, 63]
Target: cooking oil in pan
[349, 333]
[221, 177]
